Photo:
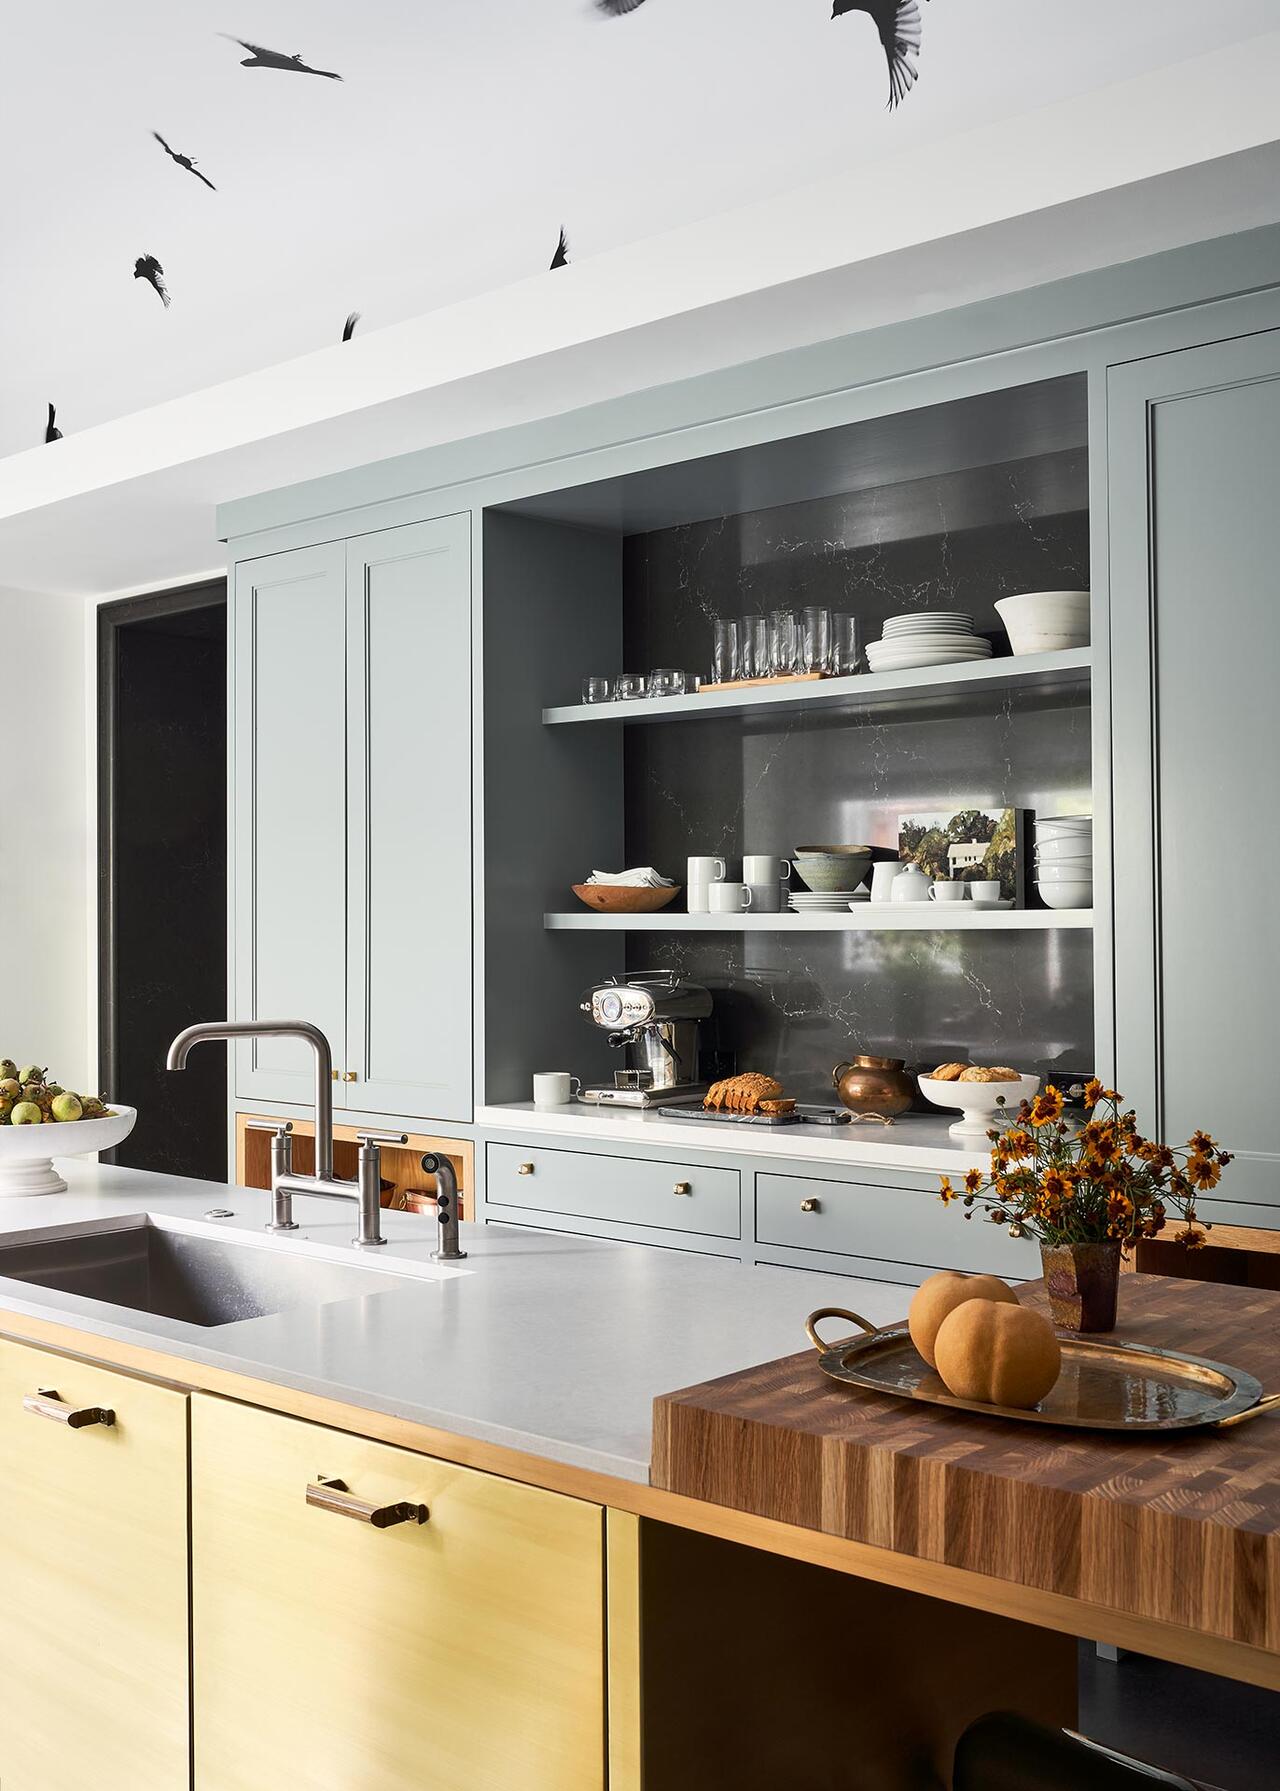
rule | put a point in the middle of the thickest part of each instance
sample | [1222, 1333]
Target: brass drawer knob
[684, 1188]
[46, 1404]
[525, 1169]
[349, 1076]
[812, 1205]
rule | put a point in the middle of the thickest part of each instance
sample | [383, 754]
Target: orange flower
[946, 1192]
[1057, 1187]
[1047, 1107]
[1203, 1171]
[1092, 1092]
[1191, 1237]
[1200, 1144]
[972, 1181]
[1019, 1143]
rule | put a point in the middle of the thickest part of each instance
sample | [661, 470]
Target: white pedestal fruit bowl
[27, 1152]
[985, 1106]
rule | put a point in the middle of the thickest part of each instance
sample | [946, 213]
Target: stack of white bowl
[926, 637]
[1064, 860]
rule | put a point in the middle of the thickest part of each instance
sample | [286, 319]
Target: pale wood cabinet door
[409, 877]
[459, 1654]
[93, 1582]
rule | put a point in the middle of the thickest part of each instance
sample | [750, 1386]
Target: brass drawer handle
[45, 1404]
[336, 1496]
[525, 1169]
[683, 1188]
[812, 1205]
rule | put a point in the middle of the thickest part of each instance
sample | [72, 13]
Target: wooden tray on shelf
[1104, 1384]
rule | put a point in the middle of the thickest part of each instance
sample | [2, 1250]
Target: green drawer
[664, 1196]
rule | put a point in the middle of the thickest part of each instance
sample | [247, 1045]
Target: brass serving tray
[1104, 1384]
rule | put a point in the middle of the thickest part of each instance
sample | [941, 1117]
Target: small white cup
[729, 898]
[986, 890]
[766, 898]
[706, 870]
[554, 1088]
[948, 892]
[759, 868]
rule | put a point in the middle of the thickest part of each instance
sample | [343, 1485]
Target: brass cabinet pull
[349, 1076]
[812, 1205]
[336, 1074]
[525, 1169]
[683, 1188]
[336, 1496]
[44, 1403]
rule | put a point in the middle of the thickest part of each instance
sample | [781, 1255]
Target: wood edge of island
[936, 1579]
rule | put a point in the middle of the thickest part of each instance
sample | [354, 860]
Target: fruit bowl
[616, 898]
[983, 1105]
[27, 1152]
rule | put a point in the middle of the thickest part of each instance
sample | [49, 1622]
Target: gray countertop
[541, 1342]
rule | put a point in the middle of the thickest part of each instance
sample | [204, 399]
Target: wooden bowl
[610, 899]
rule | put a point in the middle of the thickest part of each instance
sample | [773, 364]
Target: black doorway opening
[162, 870]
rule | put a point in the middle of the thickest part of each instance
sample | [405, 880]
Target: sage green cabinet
[352, 802]
[1194, 444]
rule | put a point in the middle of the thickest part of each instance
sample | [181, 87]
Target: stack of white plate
[1064, 860]
[927, 637]
[826, 901]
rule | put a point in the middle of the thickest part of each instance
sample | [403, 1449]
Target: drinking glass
[815, 640]
[628, 686]
[846, 644]
[726, 650]
[596, 690]
[666, 682]
[756, 661]
[784, 643]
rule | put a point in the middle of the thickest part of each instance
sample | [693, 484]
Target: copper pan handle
[1269, 1404]
[815, 1319]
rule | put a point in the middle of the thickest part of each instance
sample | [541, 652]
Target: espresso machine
[655, 1018]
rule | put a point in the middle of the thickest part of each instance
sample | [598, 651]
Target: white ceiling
[461, 137]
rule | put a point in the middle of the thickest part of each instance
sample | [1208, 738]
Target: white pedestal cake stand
[27, 1152]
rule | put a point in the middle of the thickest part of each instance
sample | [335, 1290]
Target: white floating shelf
[1054, 677]
[865, 919]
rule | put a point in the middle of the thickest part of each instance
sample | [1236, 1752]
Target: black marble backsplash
[795, 1006]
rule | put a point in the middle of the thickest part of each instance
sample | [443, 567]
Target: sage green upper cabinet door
[409, 816]
[1194, 448]
[290, 812]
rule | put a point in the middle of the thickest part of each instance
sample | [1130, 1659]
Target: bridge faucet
[366, 1190]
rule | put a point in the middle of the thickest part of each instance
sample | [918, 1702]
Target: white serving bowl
[1065, 829]
[983, 1105]
[1064, 852]
[1066, 871]
[1066, 895]
[27, 1152]
[1045, 621]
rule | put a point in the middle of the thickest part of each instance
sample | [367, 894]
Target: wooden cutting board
[1183, 1528]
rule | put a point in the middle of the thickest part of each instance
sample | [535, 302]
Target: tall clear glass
[784, 643]
[815, 640]
[846, 644]
[726, 650]
[756, 661]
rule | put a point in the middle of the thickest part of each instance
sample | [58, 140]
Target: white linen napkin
[642, 877]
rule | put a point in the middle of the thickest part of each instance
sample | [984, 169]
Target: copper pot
[874, 1085]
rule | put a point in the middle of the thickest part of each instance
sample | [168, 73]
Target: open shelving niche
[579, 581]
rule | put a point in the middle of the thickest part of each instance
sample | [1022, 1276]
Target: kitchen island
[518, 1605]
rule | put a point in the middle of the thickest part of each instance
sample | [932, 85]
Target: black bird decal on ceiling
[898, 22]
[184, 161]
[51, 431]
[561, 256]
[260, 58]
[616, 8]
[147, 268]
[349, 327]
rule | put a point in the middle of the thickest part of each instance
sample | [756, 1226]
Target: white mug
[883, 873]
[766, 898]
[986, 890]
[706, 870]
[729, 898]
[554, 1088]
[947, 892]
[763, 867]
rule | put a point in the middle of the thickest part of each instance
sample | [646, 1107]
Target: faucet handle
[281, 1127]
[383, 1137]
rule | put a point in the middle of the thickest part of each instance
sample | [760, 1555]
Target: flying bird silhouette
[51, 431]
[147, 268]
[349, 327]
[260, 58]
[184, 161]
[561, 256]
[898, 22]
[616, 8]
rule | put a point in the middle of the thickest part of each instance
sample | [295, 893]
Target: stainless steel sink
[187, 1275]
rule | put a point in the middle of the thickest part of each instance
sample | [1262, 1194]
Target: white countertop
[553, 1345]
[914, 1141]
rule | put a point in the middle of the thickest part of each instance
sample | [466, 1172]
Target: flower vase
[1083, 1281]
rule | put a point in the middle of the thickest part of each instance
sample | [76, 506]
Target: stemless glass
[726, 650]
[596, 690]
[815, 640]
[629, 686]
[846, 644]
[784, 643]
[666, 682]
[756, 660]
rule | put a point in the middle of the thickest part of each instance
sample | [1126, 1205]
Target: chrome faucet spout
[205, 1030]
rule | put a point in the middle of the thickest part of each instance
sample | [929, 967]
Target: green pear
[11, 1086]
[26, 1113]
[8, 1068]
[66, 1107]
[32, 1072]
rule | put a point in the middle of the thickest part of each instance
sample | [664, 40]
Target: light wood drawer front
[93, 1581]
[905, 1225]
[626, 1190]
[463, 1653]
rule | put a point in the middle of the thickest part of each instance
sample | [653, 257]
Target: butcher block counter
[1173, 1538]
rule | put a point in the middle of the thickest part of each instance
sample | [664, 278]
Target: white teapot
[910, 885]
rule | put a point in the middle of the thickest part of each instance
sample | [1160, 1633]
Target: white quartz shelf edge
[1066, 672]
[880, 917]
[916, 1141]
